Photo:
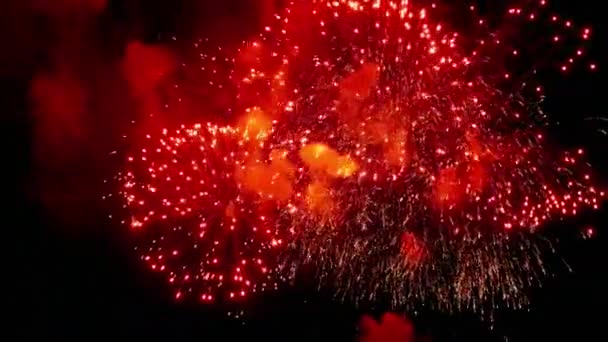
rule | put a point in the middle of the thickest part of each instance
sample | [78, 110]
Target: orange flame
[255, 125]
[322, 158]
[318, 198]
[271, 181]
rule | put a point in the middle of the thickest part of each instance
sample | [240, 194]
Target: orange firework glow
[271, 181]
[318, 199]
[255, 125]
[322, 158]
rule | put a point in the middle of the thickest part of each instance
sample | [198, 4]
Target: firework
[453, 175]
[396, 155]
[193, 222]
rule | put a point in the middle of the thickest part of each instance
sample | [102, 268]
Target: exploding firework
[183, 190]
[453, 175]
[375, 142]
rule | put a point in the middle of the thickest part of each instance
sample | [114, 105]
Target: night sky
[76, 275]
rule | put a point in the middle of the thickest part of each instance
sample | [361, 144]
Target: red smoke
[391, 328]
[145, 66]
[67, 6]
[59, 106]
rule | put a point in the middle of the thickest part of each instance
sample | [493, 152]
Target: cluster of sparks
[396, 156]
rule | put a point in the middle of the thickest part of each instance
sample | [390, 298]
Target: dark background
[76, 276]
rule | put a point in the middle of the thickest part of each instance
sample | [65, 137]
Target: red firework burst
[393, 152]
[194, 222]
